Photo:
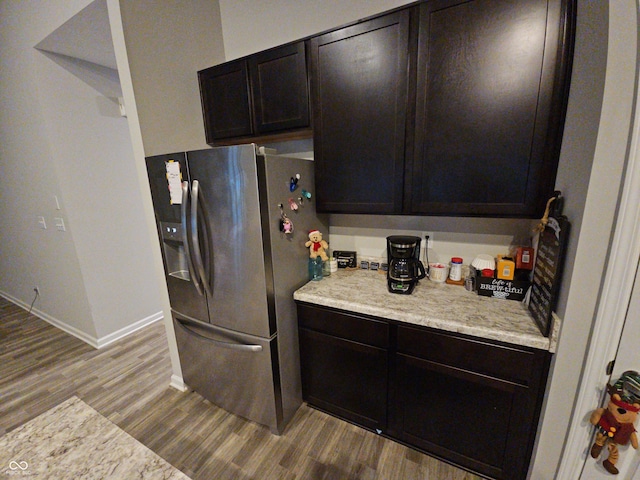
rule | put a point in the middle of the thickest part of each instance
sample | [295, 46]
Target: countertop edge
[525, 339]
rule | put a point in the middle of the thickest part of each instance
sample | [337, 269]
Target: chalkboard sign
[548, 271]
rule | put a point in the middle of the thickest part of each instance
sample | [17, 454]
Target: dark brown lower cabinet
[472, 402]
[344, 364]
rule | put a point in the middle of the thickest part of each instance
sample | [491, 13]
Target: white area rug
[73, 441]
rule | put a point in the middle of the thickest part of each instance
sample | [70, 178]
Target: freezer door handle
[198, 214]
[185, 237]
[191, 327]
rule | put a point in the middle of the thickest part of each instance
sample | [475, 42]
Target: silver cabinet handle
[185, 237]
[197, 207]
[185, 324]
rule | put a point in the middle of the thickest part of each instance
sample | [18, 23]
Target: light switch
[42, 223]
[59, 221]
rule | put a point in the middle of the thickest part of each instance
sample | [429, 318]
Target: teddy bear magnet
[614, 423]
[317, 246]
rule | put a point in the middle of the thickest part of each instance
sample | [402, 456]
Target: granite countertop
[436, 305]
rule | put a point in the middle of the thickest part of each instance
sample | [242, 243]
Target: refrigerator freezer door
[166, 210]
[227, 179]
[183, 295]
[231, 370]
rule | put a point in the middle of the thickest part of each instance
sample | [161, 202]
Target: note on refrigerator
[174, 178]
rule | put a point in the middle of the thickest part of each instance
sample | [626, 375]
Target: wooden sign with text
[548, 271]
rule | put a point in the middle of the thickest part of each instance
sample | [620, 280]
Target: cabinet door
[468, 401]
[459, 416]
[491, 96]
[343, 360]
[279, 87]
[359, 100]
[346, 378]
[226, 104]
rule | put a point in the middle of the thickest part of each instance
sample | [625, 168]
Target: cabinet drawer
[479, 356]
[344, 325]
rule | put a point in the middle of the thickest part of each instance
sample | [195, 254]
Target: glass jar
[315, 268]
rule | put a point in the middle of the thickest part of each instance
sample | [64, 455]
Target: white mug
[438, 272]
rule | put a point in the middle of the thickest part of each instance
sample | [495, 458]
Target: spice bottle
[455, 272]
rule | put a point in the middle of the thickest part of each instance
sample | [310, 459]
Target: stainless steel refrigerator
[231, 268]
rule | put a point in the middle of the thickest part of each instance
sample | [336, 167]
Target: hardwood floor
[128, 382]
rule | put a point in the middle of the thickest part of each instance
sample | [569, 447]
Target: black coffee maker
[405, 267]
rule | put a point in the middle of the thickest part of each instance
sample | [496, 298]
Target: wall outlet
[429, 243]
[59, 221]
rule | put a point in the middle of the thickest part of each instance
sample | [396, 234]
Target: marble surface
[74, 441]
[437, 305]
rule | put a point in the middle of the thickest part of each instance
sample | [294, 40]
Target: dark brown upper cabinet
[279, 88]
[450, 107]
[226, 105]
[264, 93]
[492, 85]
[359, 90]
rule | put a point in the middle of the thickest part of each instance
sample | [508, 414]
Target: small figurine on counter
[615, 422]
[317, 246]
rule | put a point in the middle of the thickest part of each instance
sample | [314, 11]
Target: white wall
[31, 256]
[450, 237]
[249, 26]
[58, 136]
[167, 43]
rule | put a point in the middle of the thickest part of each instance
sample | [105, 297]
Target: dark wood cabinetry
[453, 107]
[491, 91]
[264, 93]
[344, 360]
[359, 89]
[469, 401]
[445, 107]
[226, 105]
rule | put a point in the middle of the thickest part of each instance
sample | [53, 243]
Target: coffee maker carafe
[405, 267]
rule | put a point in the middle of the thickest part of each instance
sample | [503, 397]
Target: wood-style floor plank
[128, 383]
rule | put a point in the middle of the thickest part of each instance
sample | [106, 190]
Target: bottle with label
[333, 265]
[455, 272]
[506, 269]
[524, 258]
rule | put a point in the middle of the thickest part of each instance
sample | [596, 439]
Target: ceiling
[85, 36]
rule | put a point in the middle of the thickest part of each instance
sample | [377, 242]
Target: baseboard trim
[178, 383]
[79, 334]
[128, 330]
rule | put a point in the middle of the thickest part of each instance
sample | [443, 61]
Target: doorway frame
[614, 300]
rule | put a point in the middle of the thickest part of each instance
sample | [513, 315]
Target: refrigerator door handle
[188, 327]
[198, 210]
[185, 237]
